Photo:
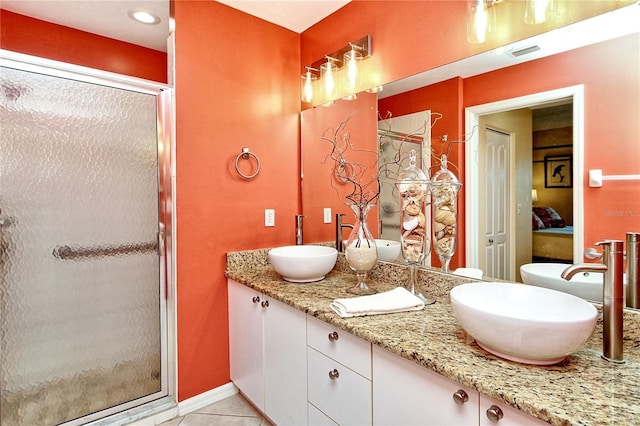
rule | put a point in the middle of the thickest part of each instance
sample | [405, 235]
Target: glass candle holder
[413, 189]
[360, 250]
[444, 204]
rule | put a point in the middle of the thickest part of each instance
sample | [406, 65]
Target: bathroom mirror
[445, 78]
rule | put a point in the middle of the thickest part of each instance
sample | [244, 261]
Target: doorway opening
[518, 203]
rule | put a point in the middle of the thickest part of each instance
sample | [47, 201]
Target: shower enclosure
[84, 219]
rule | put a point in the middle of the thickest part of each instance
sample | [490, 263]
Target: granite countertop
[583, 389]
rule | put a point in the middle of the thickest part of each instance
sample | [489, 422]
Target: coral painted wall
[237, 85]
[320, 188]
[412, 36]
[610, 72]
[31, 36]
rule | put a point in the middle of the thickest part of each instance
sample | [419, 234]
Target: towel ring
[246, 155]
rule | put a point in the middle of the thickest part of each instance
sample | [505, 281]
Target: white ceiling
[296, 15]
[109, 17]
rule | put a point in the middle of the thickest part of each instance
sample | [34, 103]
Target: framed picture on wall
[558, 171]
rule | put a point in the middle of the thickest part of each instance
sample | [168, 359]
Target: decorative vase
[444, 204]
[360, 250]
[413, 190]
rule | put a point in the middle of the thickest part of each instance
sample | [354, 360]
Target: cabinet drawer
[318, 418]
[347, 349]
[345, 398]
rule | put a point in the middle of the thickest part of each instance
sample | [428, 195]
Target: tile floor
[233, 411]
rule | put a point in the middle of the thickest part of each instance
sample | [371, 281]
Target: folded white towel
[396, 300]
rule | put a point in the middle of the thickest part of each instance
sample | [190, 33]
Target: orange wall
[320, 188]
[23, 34]
[237, 85]
[231, 93]
[612, 107]
[412, 36]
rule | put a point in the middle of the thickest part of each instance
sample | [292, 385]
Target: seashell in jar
[410, 224]
[444, 245]
[438, 226]
[413, 239]
[421, 220]
[415, 190]
[441, 214]
[412, 209]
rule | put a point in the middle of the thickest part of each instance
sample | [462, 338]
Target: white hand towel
[396, 300]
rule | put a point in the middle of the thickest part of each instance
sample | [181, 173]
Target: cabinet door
[337, 391]
[285, 353]
[405, 393]
[510, 416]
[245, 341]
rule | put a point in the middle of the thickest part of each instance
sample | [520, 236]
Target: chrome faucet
[339, 227]
[612, 296]
[633, 269]
[299, 229]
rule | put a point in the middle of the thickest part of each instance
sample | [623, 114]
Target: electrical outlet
[269, 217]
[327, 215]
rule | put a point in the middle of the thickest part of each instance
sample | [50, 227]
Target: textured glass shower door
[81, 298]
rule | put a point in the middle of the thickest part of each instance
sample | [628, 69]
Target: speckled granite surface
[583, 389]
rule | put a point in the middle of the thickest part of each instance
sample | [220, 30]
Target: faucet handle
[613, 246]
[592, 253]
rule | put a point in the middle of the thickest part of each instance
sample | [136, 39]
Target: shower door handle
[4, 221]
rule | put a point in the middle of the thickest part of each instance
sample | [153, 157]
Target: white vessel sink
[304, 263]
[388, 250]
[524, 323]
[587, 285]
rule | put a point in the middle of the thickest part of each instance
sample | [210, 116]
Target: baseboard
[200, 401]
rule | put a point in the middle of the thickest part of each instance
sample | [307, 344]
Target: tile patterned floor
[233, 411]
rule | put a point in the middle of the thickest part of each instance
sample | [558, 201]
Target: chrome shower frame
[165, 399]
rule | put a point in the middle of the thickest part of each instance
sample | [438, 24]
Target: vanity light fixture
[144, 17]
[375, 89]
[341, 74]
[327, 74]
[478, 24]
[307, 84]
[353, 73]
[536, 11]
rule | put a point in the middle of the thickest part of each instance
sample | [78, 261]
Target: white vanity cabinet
[405, 393]
[299, 370]
[339, 376]
[268, 352]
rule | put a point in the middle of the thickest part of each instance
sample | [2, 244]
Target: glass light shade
[328, 75]
[307, 86]
[477, 21]
[534, 195]
[536, 11]
[352, 70]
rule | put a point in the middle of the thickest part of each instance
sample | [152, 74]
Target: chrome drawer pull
[494, 413]
[334, 374]
[460, 397]
[333, 336]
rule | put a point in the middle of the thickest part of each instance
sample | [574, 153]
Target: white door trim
[472, 115]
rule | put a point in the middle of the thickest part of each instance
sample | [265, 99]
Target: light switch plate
[269, 217]
[327, 215]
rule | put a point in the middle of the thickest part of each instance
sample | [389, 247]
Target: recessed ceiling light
[144, 17]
